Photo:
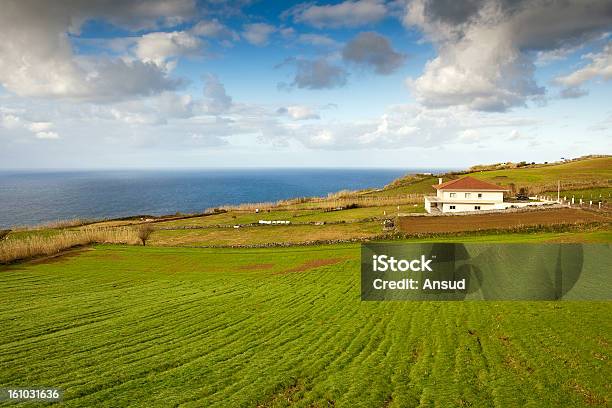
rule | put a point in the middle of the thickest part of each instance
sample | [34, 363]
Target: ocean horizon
[31, 197]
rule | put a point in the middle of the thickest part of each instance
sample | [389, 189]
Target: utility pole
[558, 190]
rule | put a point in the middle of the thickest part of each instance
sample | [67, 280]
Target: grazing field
[266, 234]
[595, 194]
[590, 170]
[462, 223]
[120, 325]
[295, 216]
[592, 173]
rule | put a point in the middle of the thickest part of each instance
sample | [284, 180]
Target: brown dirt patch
[589, 397]
[460, 223]
[256, 267]
[59, 257]
[314, 263]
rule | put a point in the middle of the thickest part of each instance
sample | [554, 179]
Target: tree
[144, 232]
[512, 188]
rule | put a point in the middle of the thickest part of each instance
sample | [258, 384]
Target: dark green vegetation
[120, 325]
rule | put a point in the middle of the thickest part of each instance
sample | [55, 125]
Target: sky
[363, 83]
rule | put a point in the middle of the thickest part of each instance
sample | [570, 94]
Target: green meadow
[581, 177]
[148, 326]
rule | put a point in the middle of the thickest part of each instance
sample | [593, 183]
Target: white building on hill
[465, 194]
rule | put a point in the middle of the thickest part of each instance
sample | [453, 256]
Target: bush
[4, 233]
[144, 232]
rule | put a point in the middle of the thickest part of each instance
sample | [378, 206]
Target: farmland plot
[115, 325]
[501, 220]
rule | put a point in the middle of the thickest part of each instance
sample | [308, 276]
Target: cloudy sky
[364, 83]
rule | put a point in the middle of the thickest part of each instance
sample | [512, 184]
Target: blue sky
[361, 83]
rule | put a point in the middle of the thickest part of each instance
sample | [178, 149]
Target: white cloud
[600, 66]
[160, 47]
[399, 127]
[47, 135]
[37, 59]
[470, 136]
[573, 92]
[217, 100]
[298, 112]
[258, 33]
[215, 29]
[319, 40]
[39, 126]
[10, 121]
[486, 51]
[13, 121]
[287, 32]
[547, 57]
[316, 74]
[345, 14]
[515, 135]
[173, 105]
[135, 118]
[373, 50]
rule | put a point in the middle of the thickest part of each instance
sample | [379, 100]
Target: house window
[452, 207]
[479, 195]
[467, 195]
[452, 195]
[477, 207]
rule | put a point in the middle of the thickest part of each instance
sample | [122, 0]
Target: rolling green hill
[590, 173]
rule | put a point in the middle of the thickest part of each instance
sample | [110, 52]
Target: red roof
[468, 183]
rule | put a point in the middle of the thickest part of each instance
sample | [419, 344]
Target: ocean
[34, 197]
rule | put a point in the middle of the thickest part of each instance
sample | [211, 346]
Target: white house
[465, 194]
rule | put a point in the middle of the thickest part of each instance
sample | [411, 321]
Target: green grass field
[591, 169]
[580, 172]
[295, 216]
[588, 194]
[124, 325]
[266, 234]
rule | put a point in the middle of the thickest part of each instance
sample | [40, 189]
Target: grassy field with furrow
[277, 327]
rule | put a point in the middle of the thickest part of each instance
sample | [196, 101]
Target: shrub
[144, 232]
[4, 233]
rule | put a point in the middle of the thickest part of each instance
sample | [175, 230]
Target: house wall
[460, 195]
[446, 207]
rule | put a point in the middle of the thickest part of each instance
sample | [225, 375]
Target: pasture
[119, 325]
[592, 176]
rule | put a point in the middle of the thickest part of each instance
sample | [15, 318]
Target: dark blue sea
[29, 197]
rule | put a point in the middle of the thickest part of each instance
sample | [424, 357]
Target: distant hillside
[592, 172]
